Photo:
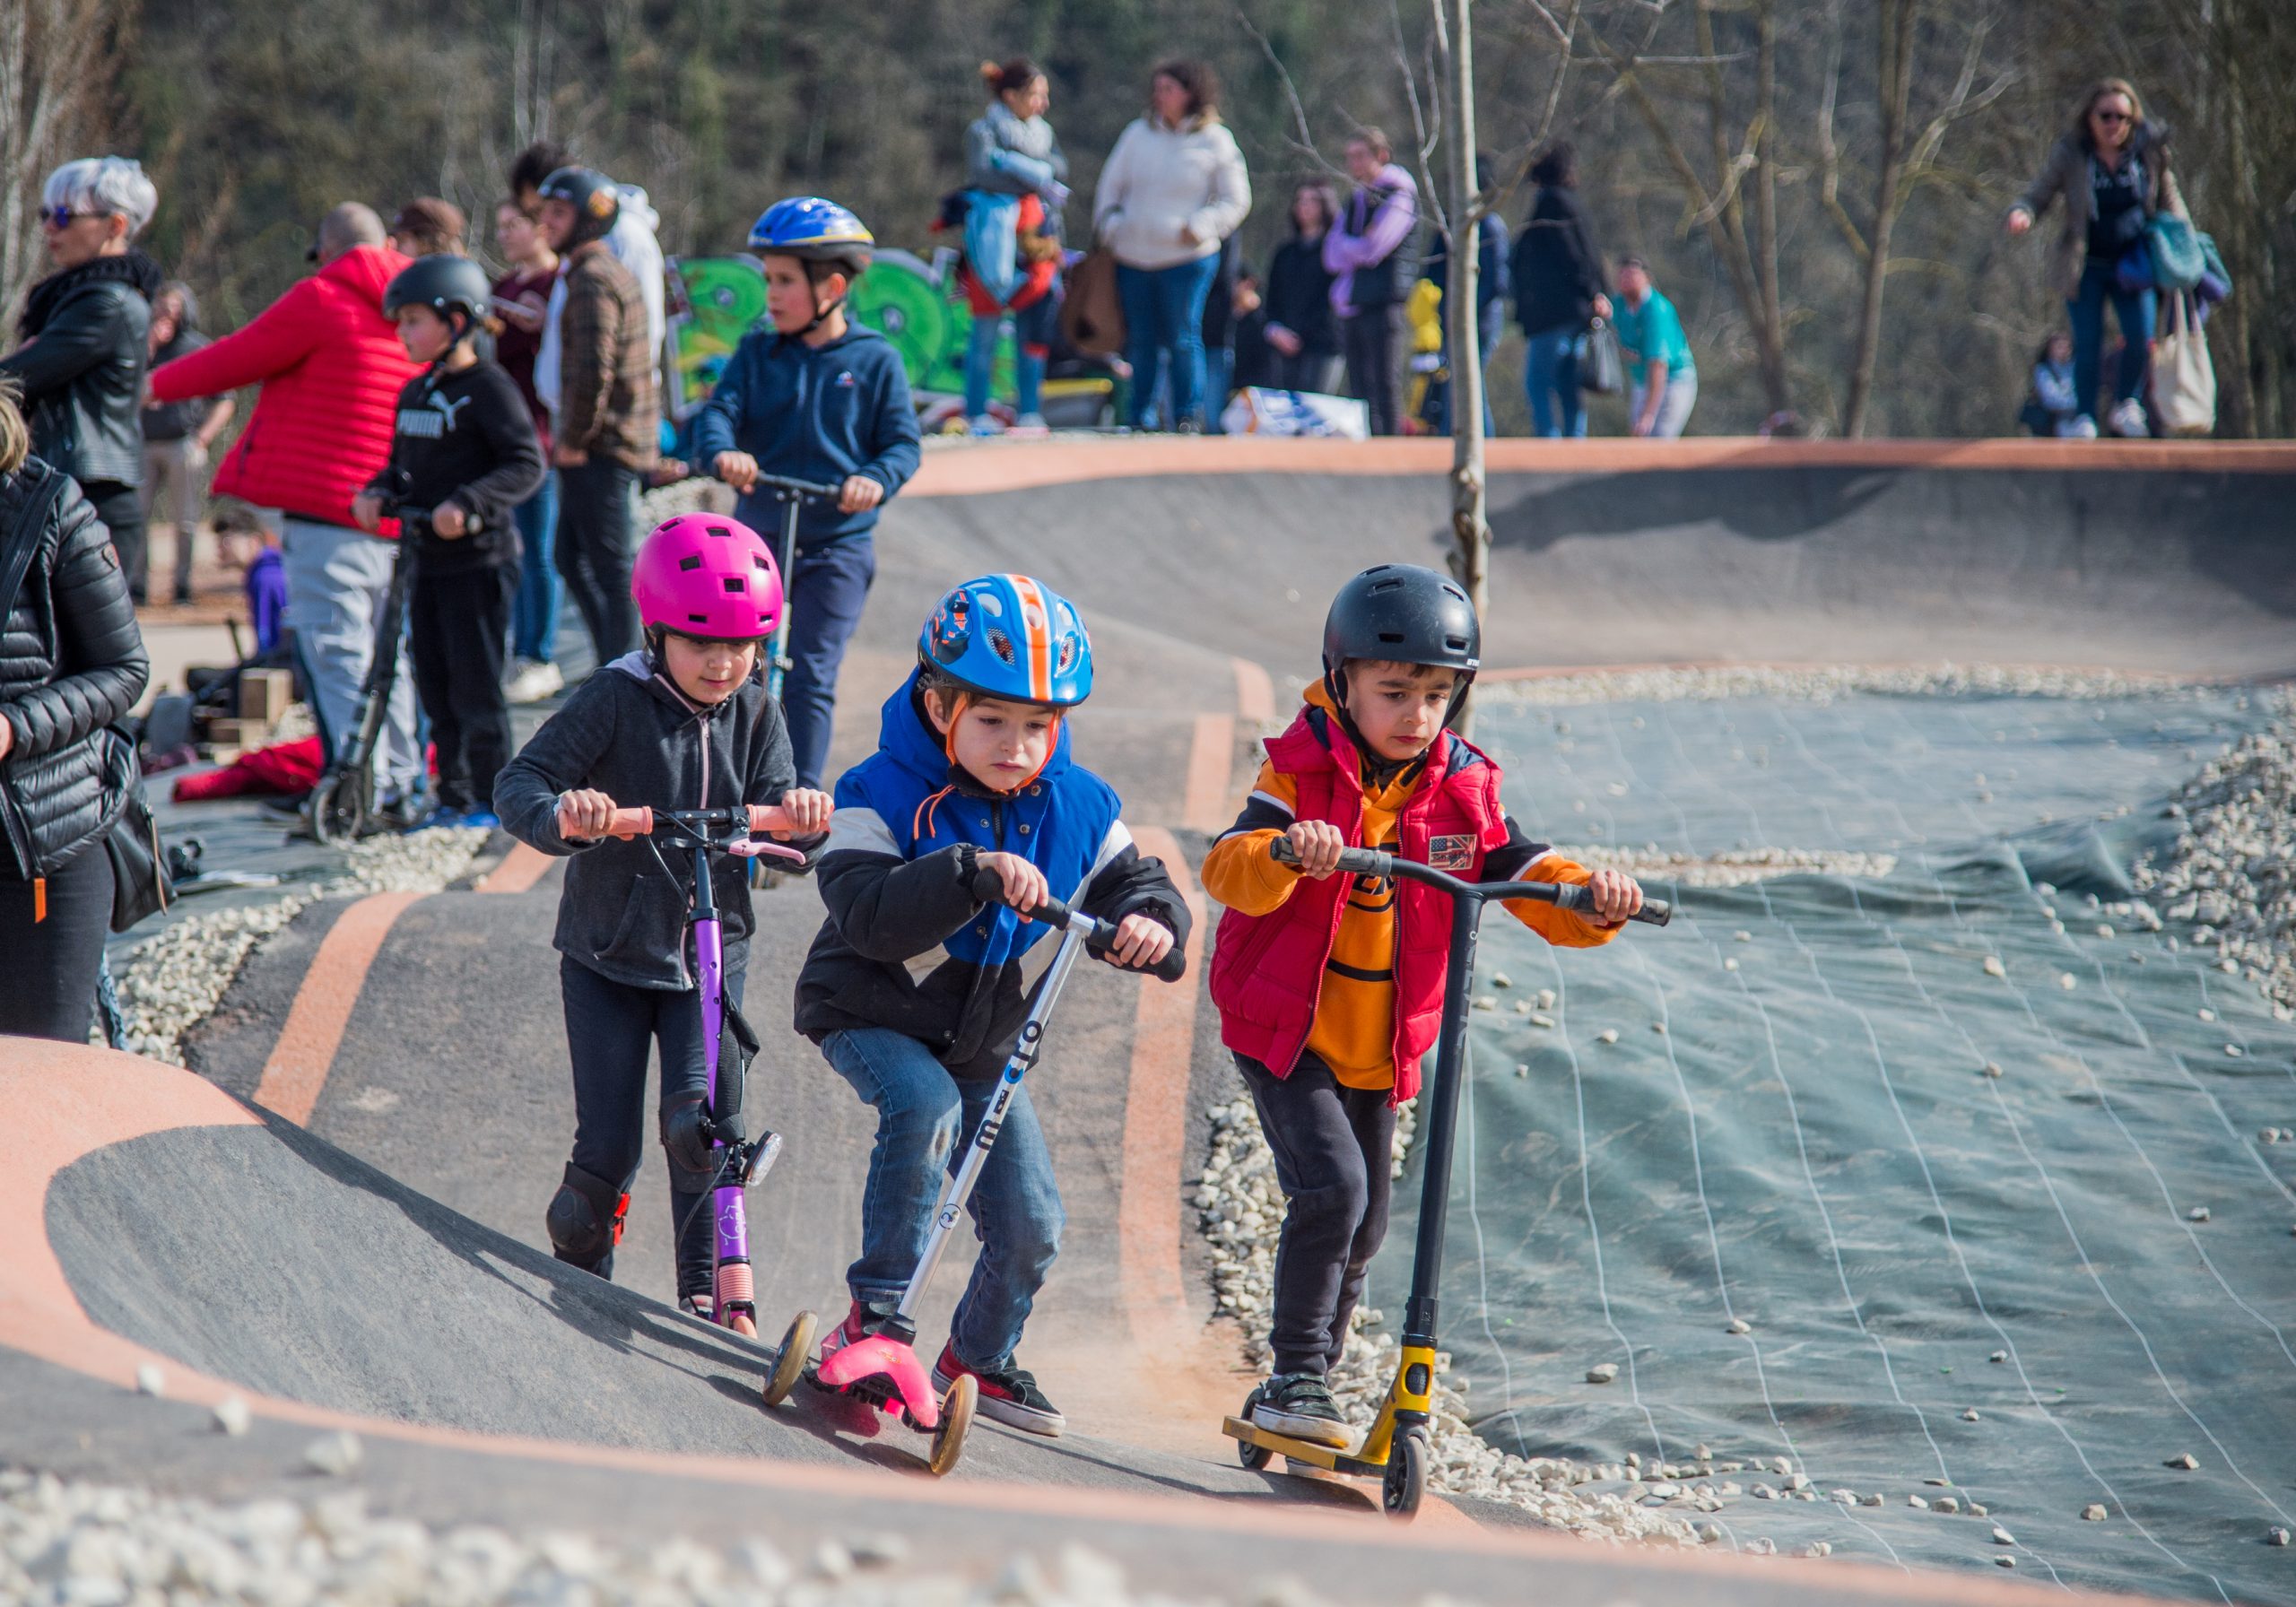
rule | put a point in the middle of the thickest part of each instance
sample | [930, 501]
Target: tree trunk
[1470, 527]
[1894, 86]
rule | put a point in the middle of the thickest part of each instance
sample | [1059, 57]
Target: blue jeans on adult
[924, 1118]
[827, 590]
[1551, 375]
[534, 611]
[2133, 310]
[1163, 321]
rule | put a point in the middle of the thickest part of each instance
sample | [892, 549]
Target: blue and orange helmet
[814, 229]
[1009, 637]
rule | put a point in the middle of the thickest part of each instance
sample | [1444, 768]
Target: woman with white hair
[85, 347]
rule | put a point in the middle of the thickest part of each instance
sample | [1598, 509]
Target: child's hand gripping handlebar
[1562, 895]
[1099, 936]
[728, 828]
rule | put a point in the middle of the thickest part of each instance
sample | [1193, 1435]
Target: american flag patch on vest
[1453, 854]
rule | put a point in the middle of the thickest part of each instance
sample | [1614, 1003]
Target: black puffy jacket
[86, 343]
[72, 661]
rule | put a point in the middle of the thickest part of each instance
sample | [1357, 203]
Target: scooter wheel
[1406, 1477]
[956, 1417]
[1252, 1455]
[338, 811]
[789, 1363]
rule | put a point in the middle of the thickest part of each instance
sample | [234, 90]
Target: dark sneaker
[1299, 1405]
[1008, 1394]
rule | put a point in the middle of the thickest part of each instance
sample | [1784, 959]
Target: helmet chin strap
[822, 314]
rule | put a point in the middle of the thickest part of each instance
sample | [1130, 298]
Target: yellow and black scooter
[1397, 1448]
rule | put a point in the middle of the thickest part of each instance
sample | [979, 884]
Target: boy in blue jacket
[916, 989]
[816, 398]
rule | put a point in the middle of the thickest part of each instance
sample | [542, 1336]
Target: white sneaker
[531, 682]
[984, 425]
[2080, 429]
[2127, 418]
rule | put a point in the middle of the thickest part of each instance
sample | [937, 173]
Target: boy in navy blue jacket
[816, 398]
[916, 989]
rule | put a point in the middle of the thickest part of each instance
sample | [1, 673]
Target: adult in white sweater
[1172, 190]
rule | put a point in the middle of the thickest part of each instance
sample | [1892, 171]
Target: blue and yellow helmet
[1009, 637]
[815, 230]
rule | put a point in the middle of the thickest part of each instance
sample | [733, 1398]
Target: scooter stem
[992, 1121]
[1419, 1321]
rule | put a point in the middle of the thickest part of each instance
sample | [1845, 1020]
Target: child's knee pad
[586, 1217]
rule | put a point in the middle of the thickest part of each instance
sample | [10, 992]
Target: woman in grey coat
[2111, 171]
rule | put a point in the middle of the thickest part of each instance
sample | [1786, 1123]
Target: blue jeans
[1032, 329]
[1551, 375]
[2133, 310]
[1164, 315]
[827, 591]
[1219, 363]
[924, 1118]
[534, 611]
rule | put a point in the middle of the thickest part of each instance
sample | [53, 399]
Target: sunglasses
[60, 218]
[2110, 116]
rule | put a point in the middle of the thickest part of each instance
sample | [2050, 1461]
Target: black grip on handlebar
[988, 887]
[1356, 862]
[1655, 912]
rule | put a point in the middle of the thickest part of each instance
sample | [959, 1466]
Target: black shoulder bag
[139, 871]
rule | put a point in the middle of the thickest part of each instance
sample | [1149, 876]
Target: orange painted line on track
[1211, 757]
[1155, 1131]
[1255, 692]
[981, 470]
[305, 1053]
[67, 1100]
[521, 868]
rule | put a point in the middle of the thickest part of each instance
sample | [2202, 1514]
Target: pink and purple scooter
[883, 1370]
[727, 1043]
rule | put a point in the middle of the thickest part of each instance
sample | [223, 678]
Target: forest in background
[1759, 152]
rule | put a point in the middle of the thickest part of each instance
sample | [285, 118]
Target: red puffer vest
[1267, 971]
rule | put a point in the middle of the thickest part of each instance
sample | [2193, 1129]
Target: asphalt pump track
[337, 1213]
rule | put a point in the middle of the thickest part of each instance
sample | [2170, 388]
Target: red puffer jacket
[331, 368]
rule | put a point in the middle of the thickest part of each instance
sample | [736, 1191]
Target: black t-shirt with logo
[463, 437]
[2116, 206]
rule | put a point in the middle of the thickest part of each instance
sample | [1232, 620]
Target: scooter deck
[1298, 1450]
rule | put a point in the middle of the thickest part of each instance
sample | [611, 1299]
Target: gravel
[66, 1542]
[1823, 684]
[173, 981]
[2230, 874]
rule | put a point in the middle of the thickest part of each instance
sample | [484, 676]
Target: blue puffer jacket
[812, 412]
[906, 946]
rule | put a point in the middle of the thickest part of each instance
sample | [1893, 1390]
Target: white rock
[2198, 1213]
[334, 1455]
[1779, 1464]
[2068, 981]
[232, 1416]
[150, 1380]
[1993, 968]
[2094, 1513]
[1993, 1068]
[2004, 1560]
[1969, 1415]
[2002, 1537]
[1608, 1035]
[1998, 1356]
[2186, 1461]
[1730, 965]
[1601, 1372]
[1946, 1504]
[2275, 1537]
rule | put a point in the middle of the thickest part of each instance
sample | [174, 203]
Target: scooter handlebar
[813, 489]
[1099, 935]
[638, 821]
[1562, 895]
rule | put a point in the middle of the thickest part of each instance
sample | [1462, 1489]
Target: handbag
[1093, 315]
[141, 886]
[1603, 370]
[2184, 379]
[2177, 262]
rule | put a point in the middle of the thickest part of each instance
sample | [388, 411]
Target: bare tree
[52, 57]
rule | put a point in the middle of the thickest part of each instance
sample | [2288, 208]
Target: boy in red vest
[1331, 990]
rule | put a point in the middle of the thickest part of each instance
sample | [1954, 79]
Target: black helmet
[1402, 614]
[446, 284]
[597, 203]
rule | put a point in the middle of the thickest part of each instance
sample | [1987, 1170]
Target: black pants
[597, 507]
[1307, 371]
[609, 1026]
[47, 983]
[121, 508]
[1333, 1146]
[456, 626]
[1374, 341]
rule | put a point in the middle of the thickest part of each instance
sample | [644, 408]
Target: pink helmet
[702, 574]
